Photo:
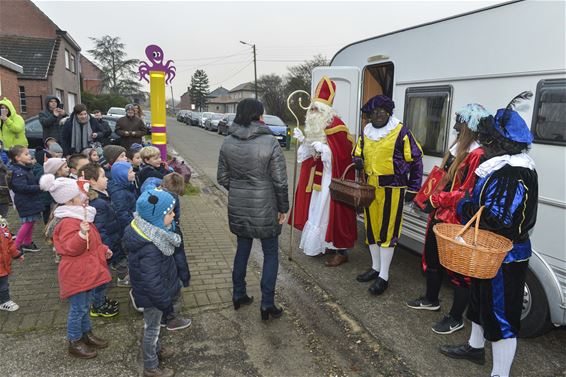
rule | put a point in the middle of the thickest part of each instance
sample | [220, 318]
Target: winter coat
[179, 255]
[102, 130]
[67, 135]
[26, 190]
[80, 269]
[251, 166]
[150, 171]
[123, 201]
[49, 122]
[13, 130]
[5, 198]
[136, 130]
[106, 221]
[8, 251]
[153, 275]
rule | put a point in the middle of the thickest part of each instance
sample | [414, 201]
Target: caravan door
[347, 98]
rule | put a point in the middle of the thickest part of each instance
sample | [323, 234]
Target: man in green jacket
[12, 125]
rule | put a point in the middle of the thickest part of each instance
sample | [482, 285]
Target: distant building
[9, 83]
[227, 103]
[49, 56]
[91, 76]
[185, 103]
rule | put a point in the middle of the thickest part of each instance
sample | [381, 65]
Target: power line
[234, 74]
[212, 57]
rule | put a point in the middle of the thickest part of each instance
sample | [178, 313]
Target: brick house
[9, 87]
[91, 76]
[185, 103]
[49, 56]
[228, 101]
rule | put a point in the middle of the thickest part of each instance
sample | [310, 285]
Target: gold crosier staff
[289, 101]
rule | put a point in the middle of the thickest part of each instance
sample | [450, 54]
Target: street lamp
[255, 67]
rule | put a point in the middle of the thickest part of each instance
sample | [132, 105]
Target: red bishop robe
[342, 230]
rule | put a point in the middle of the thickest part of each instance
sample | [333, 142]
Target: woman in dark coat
[251, 166]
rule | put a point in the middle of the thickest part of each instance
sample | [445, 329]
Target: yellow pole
[158, 111]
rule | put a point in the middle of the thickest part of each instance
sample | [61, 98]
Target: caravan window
[549, 115]
[427, 113]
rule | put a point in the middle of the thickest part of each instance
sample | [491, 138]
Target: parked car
[225, 123]
[147, 121]
[204, 117]
[195, 118]
[212, 123]
[116, 112]
[181, 114]
[34, 132]
[278, 128]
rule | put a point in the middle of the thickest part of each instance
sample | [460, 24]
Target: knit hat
[379, 101]
[153, 205]
[112, 152]
[120, 171]
[129, 106]
[53, 164]
[150, 184]
[61, 189]
[136, 147]
[55, 148]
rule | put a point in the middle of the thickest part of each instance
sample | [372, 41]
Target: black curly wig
[491, 138]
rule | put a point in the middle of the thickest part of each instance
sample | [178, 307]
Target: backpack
[180, 167]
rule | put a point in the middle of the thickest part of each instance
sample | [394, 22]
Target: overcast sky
[206, 34]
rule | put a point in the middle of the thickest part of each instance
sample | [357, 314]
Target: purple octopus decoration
[155, 55]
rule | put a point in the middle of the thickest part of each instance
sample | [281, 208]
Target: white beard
[317, 121]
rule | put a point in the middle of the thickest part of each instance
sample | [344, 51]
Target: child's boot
[158, 372]
[92, 340]
[81, 350]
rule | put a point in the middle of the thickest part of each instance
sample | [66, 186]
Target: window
[427, 113]
[73, 64]
[59, 93]
[23, 102]
[71, 101]
[67, 59]
[549, 115]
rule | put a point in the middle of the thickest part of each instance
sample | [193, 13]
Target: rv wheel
[535, 318]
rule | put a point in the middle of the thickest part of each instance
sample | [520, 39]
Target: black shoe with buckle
[369, 275]
[378, 287]
[464, 351]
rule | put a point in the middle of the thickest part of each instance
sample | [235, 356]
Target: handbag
[181, 168]
[431, 186]
[355, 193]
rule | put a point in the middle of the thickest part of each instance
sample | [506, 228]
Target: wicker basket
[352, 193]
[480, 257]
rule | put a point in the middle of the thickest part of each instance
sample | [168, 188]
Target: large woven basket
[482, 254]
[352, 193]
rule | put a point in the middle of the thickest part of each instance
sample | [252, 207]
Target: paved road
[391, 324]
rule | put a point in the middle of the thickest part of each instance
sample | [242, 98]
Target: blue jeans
[78, 321]
[150, 345]
[270, 248]
[4, 289]
[99, 295]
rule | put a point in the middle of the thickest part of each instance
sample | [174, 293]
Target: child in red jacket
[83, 261]
[8, 251]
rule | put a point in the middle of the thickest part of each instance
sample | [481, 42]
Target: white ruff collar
[522, 160]
[375, 134]
[473, 146]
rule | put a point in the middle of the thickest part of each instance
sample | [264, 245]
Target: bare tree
[300, 76]
[272, 93]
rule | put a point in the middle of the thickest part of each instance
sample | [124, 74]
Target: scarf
[81, 134]
[165, 241]
[522, 160]
[376, 134]
[75, 212]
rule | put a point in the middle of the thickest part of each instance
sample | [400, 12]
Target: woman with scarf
[77, 131]
[459, 164]
[507, 185]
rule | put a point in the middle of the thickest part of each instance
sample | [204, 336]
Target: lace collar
[375, 134]
[522, 160]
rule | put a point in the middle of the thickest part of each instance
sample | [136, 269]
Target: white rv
[486, 56]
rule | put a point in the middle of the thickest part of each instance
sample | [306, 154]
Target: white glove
[298, 134]
[317, 145]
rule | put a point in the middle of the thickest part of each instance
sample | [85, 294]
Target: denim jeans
[99, 295]
[270, 247]
[4, 289]
[150, 342]
[78, 321]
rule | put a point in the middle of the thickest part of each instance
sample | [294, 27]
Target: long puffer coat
[251, 166]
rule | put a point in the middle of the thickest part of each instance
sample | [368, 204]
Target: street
[385, 319]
